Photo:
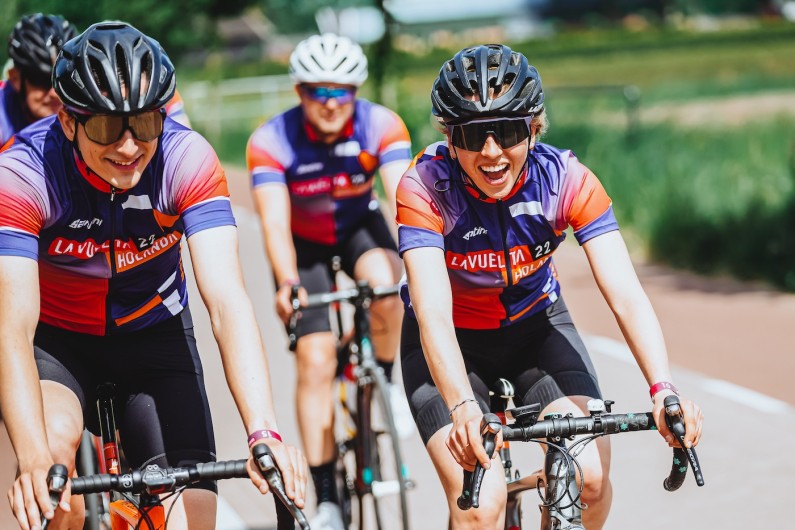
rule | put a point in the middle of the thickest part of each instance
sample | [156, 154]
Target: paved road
[731, 346]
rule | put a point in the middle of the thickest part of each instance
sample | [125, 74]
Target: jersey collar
[91, 177]
[347, 131]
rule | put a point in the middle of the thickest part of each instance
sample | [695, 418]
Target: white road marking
[723, 389]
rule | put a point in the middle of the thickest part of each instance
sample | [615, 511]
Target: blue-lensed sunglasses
[322, 94]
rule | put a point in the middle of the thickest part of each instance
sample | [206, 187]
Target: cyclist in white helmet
[312, 170]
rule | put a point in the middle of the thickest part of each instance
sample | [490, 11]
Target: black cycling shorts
[542, 355]
[160, 403]
[314, 271]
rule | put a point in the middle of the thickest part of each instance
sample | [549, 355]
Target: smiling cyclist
[480, 216]
[94, 203]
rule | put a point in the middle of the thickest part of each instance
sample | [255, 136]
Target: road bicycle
[559, 484]
[369, 461]
[133, 501]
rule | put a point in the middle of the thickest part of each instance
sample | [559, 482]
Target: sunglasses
[106, 129]
[472, 136]
[322, 94]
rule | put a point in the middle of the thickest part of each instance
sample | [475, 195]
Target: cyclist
[93, 205]
[479, 217]
[27, 94]
[312, 170]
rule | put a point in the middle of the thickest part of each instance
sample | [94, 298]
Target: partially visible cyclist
[27, 94]
[479, 217]
[93, 205]
[312, 170]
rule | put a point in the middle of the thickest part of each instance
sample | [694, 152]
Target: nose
[491, 148]
[126, 146]
[332, 103]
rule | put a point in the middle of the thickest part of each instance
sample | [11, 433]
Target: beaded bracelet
[459, 404]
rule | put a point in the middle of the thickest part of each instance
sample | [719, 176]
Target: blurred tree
[179, 25]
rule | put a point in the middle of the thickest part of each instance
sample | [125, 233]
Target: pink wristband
[662, 385]
[261, 435]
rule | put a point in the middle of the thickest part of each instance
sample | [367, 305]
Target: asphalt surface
[731, 348]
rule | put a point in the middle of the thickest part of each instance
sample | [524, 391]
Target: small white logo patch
[475, 232]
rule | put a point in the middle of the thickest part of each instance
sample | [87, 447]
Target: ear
[68, 124]
[450, 148]
[15, 79]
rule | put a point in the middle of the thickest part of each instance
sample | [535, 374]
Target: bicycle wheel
[386, 479]
[88, 464]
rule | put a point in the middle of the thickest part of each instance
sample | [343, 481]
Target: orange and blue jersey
[330, 185]
[498, 252]
[12, 115]
[109, 260]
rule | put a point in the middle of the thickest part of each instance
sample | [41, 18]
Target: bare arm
[20, 391]
[214, 253]
[273, 205]
[431, 297]
[390, 177]
[616, 278]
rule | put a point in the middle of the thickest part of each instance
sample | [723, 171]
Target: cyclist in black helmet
[27, 94]
[94, 203]
[480, 215]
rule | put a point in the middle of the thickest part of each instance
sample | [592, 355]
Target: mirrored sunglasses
[106, 129]
[322, 94]
[507, 133]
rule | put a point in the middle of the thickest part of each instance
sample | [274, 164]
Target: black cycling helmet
[461, 92]
[93, 69]
[35, 42]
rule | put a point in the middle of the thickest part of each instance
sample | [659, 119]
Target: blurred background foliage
[667, 101]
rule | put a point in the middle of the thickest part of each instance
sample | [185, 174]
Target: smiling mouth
[494, 173]
[118, 164]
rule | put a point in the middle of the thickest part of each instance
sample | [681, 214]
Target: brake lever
[293, 323]
[56, 483]
[490, 425]
[267, 466]
[676, 423]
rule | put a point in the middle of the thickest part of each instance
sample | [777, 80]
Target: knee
[596, 488]
[63, 434]
[389, 307]
[316, 369]
[486, 516]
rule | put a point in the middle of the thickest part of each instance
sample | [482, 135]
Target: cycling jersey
[330, 185]
[109, 260]
[12, 117]
[498, 252]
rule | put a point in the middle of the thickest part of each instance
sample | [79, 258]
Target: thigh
[556, 363]
[315, 277]
[164, 414]
[372, 239]
[427, 406]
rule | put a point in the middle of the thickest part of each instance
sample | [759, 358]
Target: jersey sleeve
[23, 207]
[395, 142]
[264, 166]
[199, 189]
[584, 204]
[420, 223]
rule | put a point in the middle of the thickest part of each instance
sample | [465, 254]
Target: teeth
[493, 169]
[124, 163]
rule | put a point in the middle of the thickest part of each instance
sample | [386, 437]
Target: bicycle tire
[87, 464]
[388, 489]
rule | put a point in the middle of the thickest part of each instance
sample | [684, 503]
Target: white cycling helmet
[328, 58]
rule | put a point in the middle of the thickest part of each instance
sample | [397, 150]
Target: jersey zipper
[112, 243]
[506, 251]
